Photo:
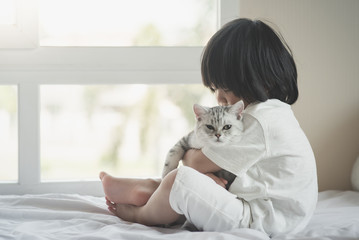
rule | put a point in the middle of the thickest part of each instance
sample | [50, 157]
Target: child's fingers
[224, 181]
[220, 181]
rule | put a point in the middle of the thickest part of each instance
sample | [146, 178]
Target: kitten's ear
[199, 111]
[237, 109]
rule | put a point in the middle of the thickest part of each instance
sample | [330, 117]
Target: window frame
[29, 69]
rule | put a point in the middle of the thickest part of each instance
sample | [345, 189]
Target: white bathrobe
[276, 183]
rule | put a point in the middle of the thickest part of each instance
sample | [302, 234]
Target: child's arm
[196, 159]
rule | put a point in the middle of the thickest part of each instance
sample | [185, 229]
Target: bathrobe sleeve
[249, 148]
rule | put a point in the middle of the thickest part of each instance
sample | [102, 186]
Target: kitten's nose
[217, 135]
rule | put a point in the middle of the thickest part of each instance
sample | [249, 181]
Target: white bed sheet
[69, 216]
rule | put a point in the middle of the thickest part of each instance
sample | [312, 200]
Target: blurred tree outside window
[127, 23]
[126, 130]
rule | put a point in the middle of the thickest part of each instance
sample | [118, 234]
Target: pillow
[355, 175]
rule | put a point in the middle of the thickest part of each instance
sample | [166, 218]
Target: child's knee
[169, 179]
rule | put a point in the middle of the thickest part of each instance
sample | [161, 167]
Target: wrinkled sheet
[70, 216]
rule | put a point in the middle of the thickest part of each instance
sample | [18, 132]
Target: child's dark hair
[250, 59]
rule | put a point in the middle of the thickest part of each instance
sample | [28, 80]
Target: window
[18, 24]
[124, 129]
[7, 12]
[127, 23]
[64, 91]
[8, 133]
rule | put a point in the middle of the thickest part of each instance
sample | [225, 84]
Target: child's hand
[220, 181]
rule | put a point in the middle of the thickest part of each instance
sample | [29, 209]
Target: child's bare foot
[134, 214]
[124, 211]
[128, 190]
[157, 209]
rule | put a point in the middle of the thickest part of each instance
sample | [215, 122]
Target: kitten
[219, 125]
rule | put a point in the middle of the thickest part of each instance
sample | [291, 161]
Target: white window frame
[29, 69]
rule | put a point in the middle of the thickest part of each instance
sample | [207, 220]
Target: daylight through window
[124, 129]
[8, 133]
[127, 23]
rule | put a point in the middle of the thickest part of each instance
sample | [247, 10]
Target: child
[275, 189]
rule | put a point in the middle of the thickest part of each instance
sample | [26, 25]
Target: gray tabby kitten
[220, 125]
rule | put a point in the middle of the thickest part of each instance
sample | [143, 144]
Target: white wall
[324, 38]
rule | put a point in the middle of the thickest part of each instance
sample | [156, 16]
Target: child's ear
[237, 109]
[199, 111]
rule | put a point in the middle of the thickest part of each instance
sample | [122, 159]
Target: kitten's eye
[210, 127]
[226, 127]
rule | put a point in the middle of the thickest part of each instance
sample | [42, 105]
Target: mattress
[71, 216]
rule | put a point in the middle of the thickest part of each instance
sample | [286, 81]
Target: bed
[71, 216]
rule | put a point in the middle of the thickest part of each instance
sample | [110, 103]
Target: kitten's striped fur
[218, 125]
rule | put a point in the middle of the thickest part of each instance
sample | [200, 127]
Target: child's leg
[207, 205]
[156, 211]
[128, 190]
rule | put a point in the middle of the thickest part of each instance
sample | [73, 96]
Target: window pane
[123, 129]
[8, 134]
[127, 23]
[7, 12]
